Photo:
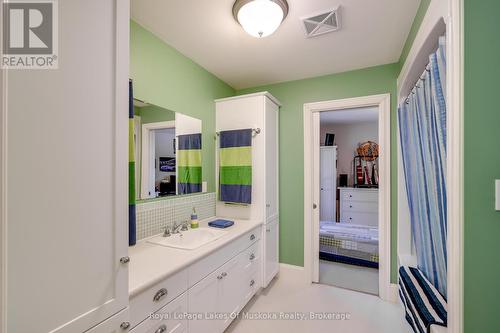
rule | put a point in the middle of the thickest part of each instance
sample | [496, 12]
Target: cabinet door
[204, 300]
[328, 176]
[271, 132]
[67, 158]
[271, 256]
[231, 296]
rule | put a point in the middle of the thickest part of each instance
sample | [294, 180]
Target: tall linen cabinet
[259, 111]
[64, 188]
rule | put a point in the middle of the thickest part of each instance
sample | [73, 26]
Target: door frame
[146, 143]
[311, 185]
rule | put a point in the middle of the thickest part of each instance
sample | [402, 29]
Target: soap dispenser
[194, 220]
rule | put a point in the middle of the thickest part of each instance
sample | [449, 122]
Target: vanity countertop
[150, 263]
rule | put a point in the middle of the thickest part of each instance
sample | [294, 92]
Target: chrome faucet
[166, 233]
[183, 226]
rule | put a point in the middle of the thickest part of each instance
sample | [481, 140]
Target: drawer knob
[160, 294]
[124, 260]
[268, 205]
[161, 329]
[252, 283]
[219, 277]
[350, 206]
[224, 274]
[350, 195]
[125, 325]
[252, 256]
[252, 237]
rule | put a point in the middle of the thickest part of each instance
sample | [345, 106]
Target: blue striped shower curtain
[422, 128]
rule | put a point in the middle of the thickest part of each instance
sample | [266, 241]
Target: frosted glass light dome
[260, 18]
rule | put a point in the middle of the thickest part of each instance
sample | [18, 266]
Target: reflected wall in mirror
[168, 152]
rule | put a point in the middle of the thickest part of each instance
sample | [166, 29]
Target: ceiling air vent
[322, 23]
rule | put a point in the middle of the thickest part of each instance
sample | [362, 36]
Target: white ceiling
[349, 116]
[373, 33]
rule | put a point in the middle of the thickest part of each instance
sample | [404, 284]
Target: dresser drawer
[359, 206]
[368, 219]
[157, 296]
[357, 194]
[169, 319]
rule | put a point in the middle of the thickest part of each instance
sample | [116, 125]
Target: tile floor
[289, 294]
[351, 277]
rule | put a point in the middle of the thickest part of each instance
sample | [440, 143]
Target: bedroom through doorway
[349, 178]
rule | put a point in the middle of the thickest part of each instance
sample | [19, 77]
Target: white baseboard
[293, 267]
[393, 293]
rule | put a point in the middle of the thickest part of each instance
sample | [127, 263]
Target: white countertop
[151, 263]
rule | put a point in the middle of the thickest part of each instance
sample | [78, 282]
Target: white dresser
[359, 206]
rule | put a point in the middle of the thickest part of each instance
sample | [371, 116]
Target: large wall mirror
[167, 152]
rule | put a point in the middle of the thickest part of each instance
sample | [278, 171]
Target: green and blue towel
[131, 168]
[189, 163]
[235, 163]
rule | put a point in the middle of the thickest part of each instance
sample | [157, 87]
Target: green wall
[162, 76]
[482, 165]
[153, 114]
[293, 95]
[419, 16]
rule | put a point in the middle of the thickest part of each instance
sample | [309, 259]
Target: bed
[349, 243]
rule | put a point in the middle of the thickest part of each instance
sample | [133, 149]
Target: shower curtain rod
[254, 131]
[420, 78]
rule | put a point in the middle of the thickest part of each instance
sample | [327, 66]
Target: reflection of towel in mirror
[235, 166]
[189, 163]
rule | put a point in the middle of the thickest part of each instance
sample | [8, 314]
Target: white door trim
[311, 178]
[455, 166]
[145, 149]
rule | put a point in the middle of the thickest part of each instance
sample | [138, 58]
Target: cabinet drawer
[359, 195]
[207, 265]
[151, 300]
[368, 219]
[360, 206]
[251, 285]
[251, 258]
[169, 319]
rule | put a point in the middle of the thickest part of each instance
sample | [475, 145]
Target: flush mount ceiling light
[260, 18]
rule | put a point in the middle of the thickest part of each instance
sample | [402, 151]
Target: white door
[271, 264]
[328, 180]
[67, 174]
[271, 133]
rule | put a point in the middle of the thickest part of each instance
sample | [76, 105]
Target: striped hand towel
[424, 305]
[189, 163]
[235, 163]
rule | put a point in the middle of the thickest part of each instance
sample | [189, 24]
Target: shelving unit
[365, 162]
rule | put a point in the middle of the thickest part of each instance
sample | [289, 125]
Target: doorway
[348, 227]
[312, 186]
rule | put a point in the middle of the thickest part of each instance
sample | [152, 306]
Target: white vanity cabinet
[259, 111]
[66, 156]
[212, 290]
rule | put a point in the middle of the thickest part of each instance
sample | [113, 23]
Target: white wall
[347, 138]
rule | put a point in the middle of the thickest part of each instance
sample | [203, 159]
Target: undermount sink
[188, 240]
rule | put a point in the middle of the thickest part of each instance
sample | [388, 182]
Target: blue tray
[221, 223]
